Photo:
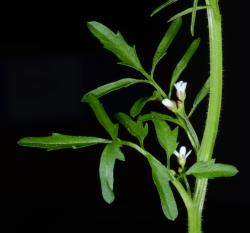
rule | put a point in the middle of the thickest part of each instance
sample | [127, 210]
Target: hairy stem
[214, 106]
[194, 220]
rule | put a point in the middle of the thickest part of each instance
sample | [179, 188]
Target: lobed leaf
[211, 170]
[113, 86]
[106, 169]
[134, 128]
[116, 44]
[182, 64]
[59, 141]
[204, 91]
[166, 41]
[161, 178]
[162, 6]
[101, 115]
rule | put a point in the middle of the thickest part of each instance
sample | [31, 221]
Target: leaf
[113, 86]
[134, 128]
[204, 91]
[186, 12]
[161, 178]
[193, 17]
[166, 137]
[172, 141]
[139, 105]
[166, 41]
[155, 115]
[106, 169]
[60, 141]
[141, 102]
[116, 44]
[211, 170]
[101, 115]
[162, 6]
[182, 64]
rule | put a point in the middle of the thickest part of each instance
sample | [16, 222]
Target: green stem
[189, 130]
[214, 106]
[158, 88]
[136, 147]
[154, 84]
[194, 220]
[187, 185]
[183, 193]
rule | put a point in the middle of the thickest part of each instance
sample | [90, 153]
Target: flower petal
[183, 151]
[176, 153]
[188, 153]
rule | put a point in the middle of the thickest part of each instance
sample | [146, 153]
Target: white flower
[182, 155]
[170, 104]
[181, 90]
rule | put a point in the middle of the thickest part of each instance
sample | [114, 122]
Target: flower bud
[181, 90]
[170, 104]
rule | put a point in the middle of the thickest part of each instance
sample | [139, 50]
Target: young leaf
[59, 141]
[182, 64]
[134, 128]
[166, 137]
[101, 115]
[139, 105]
[116, 44]
[155, 115]
[141, 102]
[187, 11]
[162, 6]
[211, 170]
[113, 86]
[161, 179]
[193, 17]
[106, 169]
[166, 41]
[172, 141]
[204, 91]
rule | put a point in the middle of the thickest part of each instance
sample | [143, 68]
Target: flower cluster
[181, 95]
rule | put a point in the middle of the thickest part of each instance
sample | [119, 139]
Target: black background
[48, 59]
